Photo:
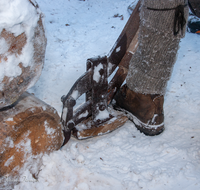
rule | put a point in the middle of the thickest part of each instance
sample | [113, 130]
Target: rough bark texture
[28, 130]
[151, 66]
[12, 87]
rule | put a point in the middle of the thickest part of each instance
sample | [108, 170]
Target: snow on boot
[146, 111]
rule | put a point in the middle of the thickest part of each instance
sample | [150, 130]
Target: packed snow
[124, 159]
[17, 19]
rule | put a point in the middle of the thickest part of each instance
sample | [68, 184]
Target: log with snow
[29, 129]
[22, 48]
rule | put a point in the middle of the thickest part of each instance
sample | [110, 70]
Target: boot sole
[149, 130]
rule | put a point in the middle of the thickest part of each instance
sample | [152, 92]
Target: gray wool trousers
[162, 25]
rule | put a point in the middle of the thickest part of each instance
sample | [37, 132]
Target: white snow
[75, 94]
[124, 159]
[25, 145]
[48, 129]
[3, 46]
[13, 14]
[11, 68]
[81, 126]
[110, 65]
[44, 107]
[118, 49]
[17, 17]
[9, 119]
[96, 75]
[8, 162]
[10, 141]
[102, 115]
[64, 114]
[84, 114]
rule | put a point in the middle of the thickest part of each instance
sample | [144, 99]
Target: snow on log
[28, 130]
[22, 48]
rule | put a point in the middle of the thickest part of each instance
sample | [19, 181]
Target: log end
[28, 130]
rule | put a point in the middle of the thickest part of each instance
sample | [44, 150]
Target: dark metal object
[195, 7]
[95, 84]
[99, 89]
[194, 26]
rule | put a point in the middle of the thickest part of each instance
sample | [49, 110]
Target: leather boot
[146, 111]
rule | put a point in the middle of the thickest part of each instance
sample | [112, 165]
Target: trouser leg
[151, 66]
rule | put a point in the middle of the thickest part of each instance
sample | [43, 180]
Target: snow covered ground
[125, 159]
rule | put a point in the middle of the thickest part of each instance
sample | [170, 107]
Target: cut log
[22, 50]
[28, 130]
